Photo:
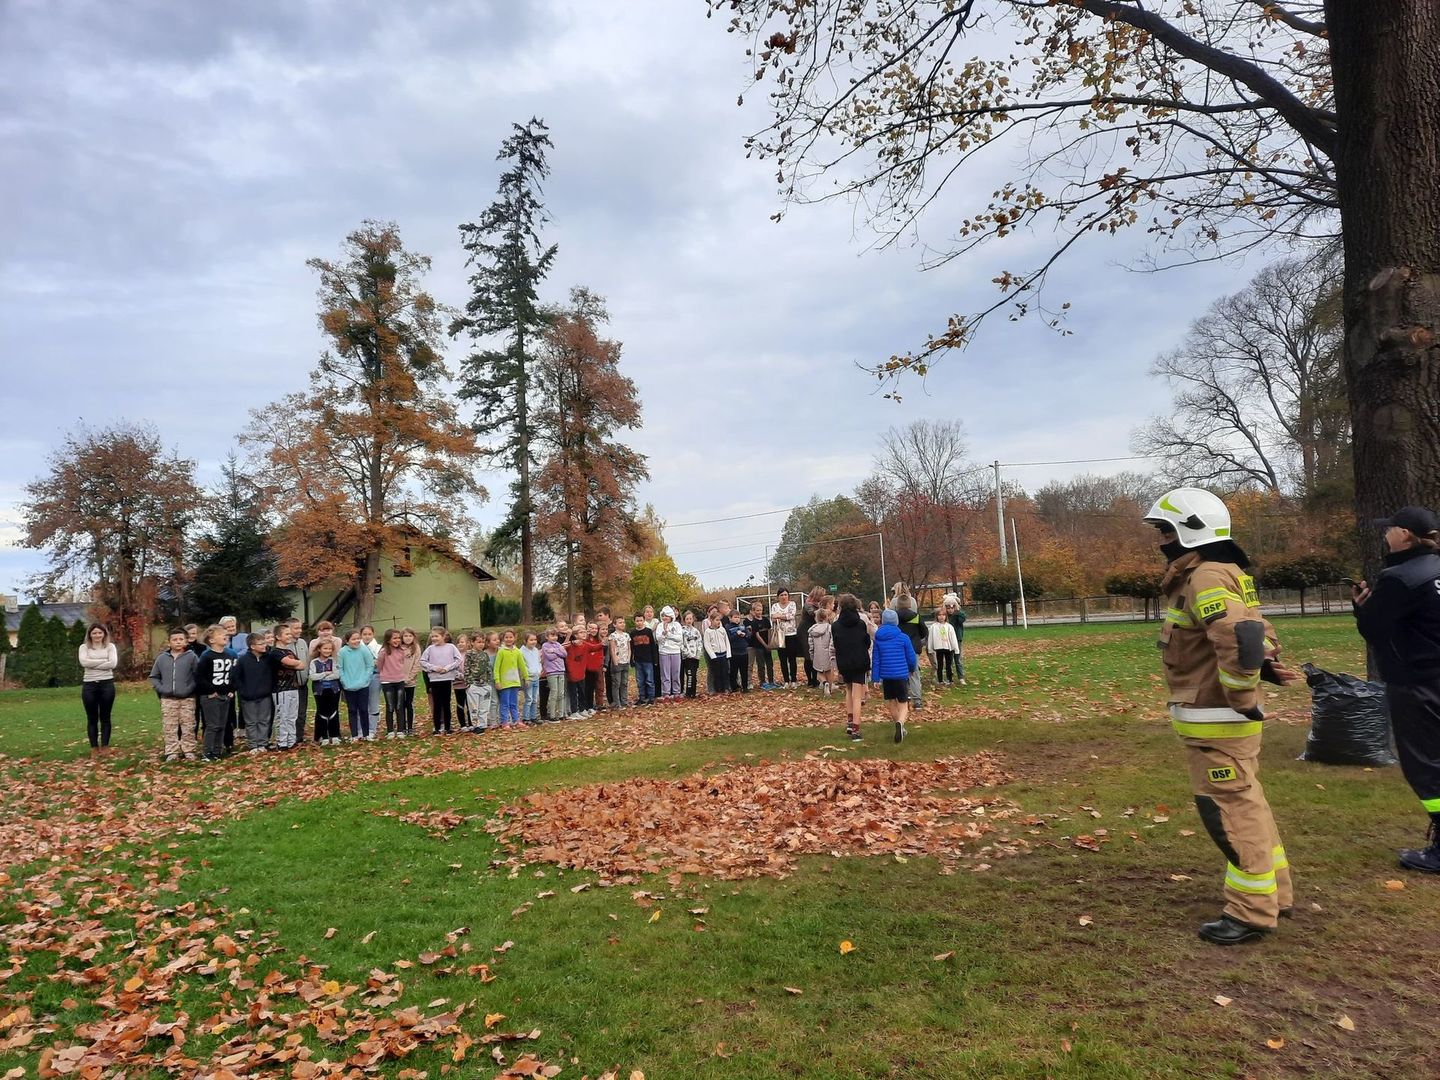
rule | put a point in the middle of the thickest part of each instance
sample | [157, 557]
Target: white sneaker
[172, 757]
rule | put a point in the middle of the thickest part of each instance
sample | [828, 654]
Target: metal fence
[1322, 600]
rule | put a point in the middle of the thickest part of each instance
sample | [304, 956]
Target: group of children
[214, 682]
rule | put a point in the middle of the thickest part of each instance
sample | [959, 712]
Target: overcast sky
[166, 168]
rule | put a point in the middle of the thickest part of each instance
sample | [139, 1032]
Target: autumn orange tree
[373, 451]
[1212, 125]
[113, 509]
[588, 468]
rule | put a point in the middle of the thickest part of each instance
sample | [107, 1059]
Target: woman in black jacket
[1399, 618]
[851, 637]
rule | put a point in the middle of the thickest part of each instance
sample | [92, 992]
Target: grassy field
[1057, 961]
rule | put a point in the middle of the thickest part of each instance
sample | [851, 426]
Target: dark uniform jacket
[1401, 619]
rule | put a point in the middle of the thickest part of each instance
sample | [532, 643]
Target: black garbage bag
[1349, 724]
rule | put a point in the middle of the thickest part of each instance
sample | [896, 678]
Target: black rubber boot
[1228, 931]
[1427, 859]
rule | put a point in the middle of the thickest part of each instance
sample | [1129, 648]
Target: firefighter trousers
[1415, 718]
[1225, 776]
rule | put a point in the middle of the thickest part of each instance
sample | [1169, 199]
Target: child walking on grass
[850, 637]
[943, 645]
[822, 649]
[893, 661]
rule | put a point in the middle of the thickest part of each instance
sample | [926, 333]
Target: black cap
[1417, 519]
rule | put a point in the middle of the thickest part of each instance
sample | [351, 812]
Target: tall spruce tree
[33, 664]
[508, 263]
[236, 572]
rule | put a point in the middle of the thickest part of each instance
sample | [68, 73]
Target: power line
[736, 517]
[727, 547]
[1081, 461]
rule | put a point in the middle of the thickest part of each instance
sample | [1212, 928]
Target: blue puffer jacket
[891, 654]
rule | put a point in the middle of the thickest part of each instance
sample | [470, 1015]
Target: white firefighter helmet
[1197, 516]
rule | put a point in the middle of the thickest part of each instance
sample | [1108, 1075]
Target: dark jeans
[462, 709]
[719, 674]
[215, 713]
[327, 714]
[576, 688]
[592, 687]
[544, 698]
[764, 666]
[944, 665]
[645, 681]
[357, 704]
[689, 674]
[740, 671]
[98, 699]
[788, 657]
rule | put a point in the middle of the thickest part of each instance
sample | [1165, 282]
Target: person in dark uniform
[1399, 618]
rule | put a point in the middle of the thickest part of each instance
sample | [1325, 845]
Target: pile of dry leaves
[95, 902]
[754, 821]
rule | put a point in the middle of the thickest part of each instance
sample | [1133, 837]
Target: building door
[438, 616]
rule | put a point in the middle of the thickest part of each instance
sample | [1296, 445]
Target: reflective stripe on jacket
[1214, 640]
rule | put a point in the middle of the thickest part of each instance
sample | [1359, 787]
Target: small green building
[428, 585]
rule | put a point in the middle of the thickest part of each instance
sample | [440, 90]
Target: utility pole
[1000, 514]
[1020, 578]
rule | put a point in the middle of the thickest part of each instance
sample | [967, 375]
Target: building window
[438, 616]
[401, 567]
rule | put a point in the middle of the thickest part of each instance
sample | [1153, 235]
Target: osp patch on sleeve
[1222, 774]
[1211, 610]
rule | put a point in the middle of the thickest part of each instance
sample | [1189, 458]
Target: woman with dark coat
[1399, 618]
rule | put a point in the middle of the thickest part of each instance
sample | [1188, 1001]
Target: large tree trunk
[365, 587]
[1386, 62]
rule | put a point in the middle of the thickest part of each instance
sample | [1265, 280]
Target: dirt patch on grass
[754, 821]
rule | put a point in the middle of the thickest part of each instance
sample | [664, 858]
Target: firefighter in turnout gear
[1217, 648]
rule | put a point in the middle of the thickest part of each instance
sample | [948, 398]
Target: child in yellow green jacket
[511, 673]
